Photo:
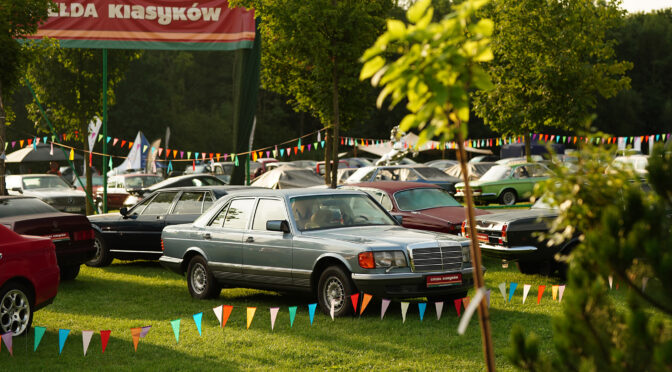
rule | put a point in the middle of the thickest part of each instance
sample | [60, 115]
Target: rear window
[24, 206]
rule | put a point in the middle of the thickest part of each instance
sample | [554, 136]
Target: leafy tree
[552, 60]
[310, 54]
[17, 18]
[68, 83]
[625, 233]
[432, 66]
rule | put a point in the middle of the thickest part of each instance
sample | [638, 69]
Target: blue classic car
[331, 243]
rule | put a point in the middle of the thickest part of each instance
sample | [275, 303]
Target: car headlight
[466, 253]
[382, 259]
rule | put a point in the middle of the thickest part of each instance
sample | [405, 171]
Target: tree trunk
[336, 121]
[2, 144]
[327, 156]
[527, 146]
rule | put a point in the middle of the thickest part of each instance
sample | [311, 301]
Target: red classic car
[421, 206]
[28, 279]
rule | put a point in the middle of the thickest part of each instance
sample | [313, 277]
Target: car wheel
[16, 310]
[201, 282]
[69, 272]
[508, 197]
[447, 299]
[103, 257]
[335, 285]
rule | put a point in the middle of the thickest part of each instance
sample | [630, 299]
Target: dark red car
[71, 233]
[28, 279]
[422, 206]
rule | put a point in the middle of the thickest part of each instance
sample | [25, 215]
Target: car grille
[436, 259]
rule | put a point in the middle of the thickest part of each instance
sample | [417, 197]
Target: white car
[50, 188]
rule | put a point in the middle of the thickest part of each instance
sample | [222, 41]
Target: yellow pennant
[72, 154]
[250, 315]
[555, 292]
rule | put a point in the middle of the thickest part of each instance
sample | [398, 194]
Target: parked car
[357, 162]
[319, 166]
[258, 167]
[135, 233]
[50, 188]
[71, 233]
[406, 173]
[120, 186]
[288, 177]
[422, 206]
[28, 279]
[474, 170]
[442, 164]
[484, 159]
[637, 162]
[308, 164]
[512, 236]
[136, 195]
[96, 184]
[331, 243]
[507, 184]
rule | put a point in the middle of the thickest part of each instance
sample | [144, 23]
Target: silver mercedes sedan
[331, 243]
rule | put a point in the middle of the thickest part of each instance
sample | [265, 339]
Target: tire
[508, 197]
[16, 308]
[447, 299]
[69, 272]
[103, 257]
[335, 284]
[200, 281]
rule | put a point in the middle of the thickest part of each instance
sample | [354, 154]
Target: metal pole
[105, 131]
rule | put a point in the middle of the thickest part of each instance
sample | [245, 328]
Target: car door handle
[207, 236]
[250, 239]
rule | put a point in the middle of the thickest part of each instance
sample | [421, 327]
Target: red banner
[144, 24]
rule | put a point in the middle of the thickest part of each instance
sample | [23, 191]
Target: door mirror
[123, 211]
[17, 189]
[399, 218]
[277, 225]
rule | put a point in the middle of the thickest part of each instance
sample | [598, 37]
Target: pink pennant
[7, 339]
[274, 314]
[144, 331]
[383, 307]
[114, 142]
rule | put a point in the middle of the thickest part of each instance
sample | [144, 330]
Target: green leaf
[395, 28]
[417, 10]
[371, 67]
[483, 27]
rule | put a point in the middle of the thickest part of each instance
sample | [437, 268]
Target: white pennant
[274, 314]
[86, 339]
[319, 139]
[439, 310]
[502, 288]
[469, 311]
[52, 149]
[561, 291]
[383, 307]
[404, 309]
[331, 312]
[526, 289]
[218, 313]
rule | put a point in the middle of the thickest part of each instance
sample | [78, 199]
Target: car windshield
[496, 173]
[139, 182]
[317, 212]
[432, 174]
[542, 203]
[24, 206]
[360, 175]
[44, 182]
[417, 199]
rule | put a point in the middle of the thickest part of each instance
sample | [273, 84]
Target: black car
[513, 236]
[135, 233]
[71, 233]
[179, 181]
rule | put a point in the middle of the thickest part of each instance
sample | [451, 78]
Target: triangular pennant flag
[282, 152]
[526, 289]
[318, 136]
[62, 336]
[189, 155]
[226, 313]
[39, 332]
[13, 143]
[561, 291]
[130, 145]
[309, 145]
[439, 309]
[311, 312]
[72, 154]
[322, 143]
[274, 315]
[197, 319]
[144, 148]
[611, 282]
[555, 292]
[135, 333]
[21, 143]
[176, 329]
[365, 302]
[110, 164]
[422, 306]
[218, 313]
[354, 299]
[469, 311]
[235, 159]
[458, 305]
[404, 309]
[487, 296]
[540, 293]
[292, 314]
[100, 137]
[104, 338]
[7, 339]
[465, 301]
[502, 289]
[512, 288]
[383, 307]
[332, 311]
[86, 340]
[114, 142]
[250, 315]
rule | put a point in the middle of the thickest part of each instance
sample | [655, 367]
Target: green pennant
[100, 137]
[110, 165]
[188, 154]
[39, 332]
[176, 329]
[235, 162]
[292, 314]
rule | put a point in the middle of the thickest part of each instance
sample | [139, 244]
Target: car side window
[537, 171]
[386, 175]
[140, 207]
[386, 202]
[189, 203]
[268, 210]
[521, 172]
[160, 204]
[219, 220]
[408, 175]
[207, 203]
[238, 214]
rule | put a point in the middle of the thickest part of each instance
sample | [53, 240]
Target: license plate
[443, 280]
[483, 238]
[58, 237]
[72, 209]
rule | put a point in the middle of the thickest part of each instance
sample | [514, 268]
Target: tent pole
[104, 130]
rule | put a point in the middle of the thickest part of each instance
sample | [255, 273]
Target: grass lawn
[135, 294]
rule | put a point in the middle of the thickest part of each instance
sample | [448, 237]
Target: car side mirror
[123, 211]
[399, 219]
[277, 225]
[17, 189]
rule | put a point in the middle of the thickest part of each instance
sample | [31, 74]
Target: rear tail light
[502, 240]
[162, 248]
[366, 260]
[83, 235]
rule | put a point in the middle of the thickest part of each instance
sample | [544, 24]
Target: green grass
[136, 294]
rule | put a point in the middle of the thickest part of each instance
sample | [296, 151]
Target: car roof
[393, 186]
[261, 192]
[33, 175]
[5, 197]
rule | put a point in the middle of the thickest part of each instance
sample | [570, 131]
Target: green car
[506, 183]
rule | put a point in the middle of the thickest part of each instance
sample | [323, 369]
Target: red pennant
[458, 305]
[210, 156]
[296, 149]
[167, 153]
[90, 158]
[226, 312]
[104, 337]
[193, 165]
[541, 292]
[341, 140]
[30, 141]
[123, 142]
[354, 299]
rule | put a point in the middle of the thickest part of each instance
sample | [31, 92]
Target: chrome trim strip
[524, 248]
[224, 266]
[356, 276]
[170, 260]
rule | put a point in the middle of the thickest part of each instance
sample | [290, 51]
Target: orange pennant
[254, 156]
[541, 292]
[226, 312]
[21, 143]
[465, 302]
[130, 145]
[135, 332]
[365, 302]
[174, 154]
